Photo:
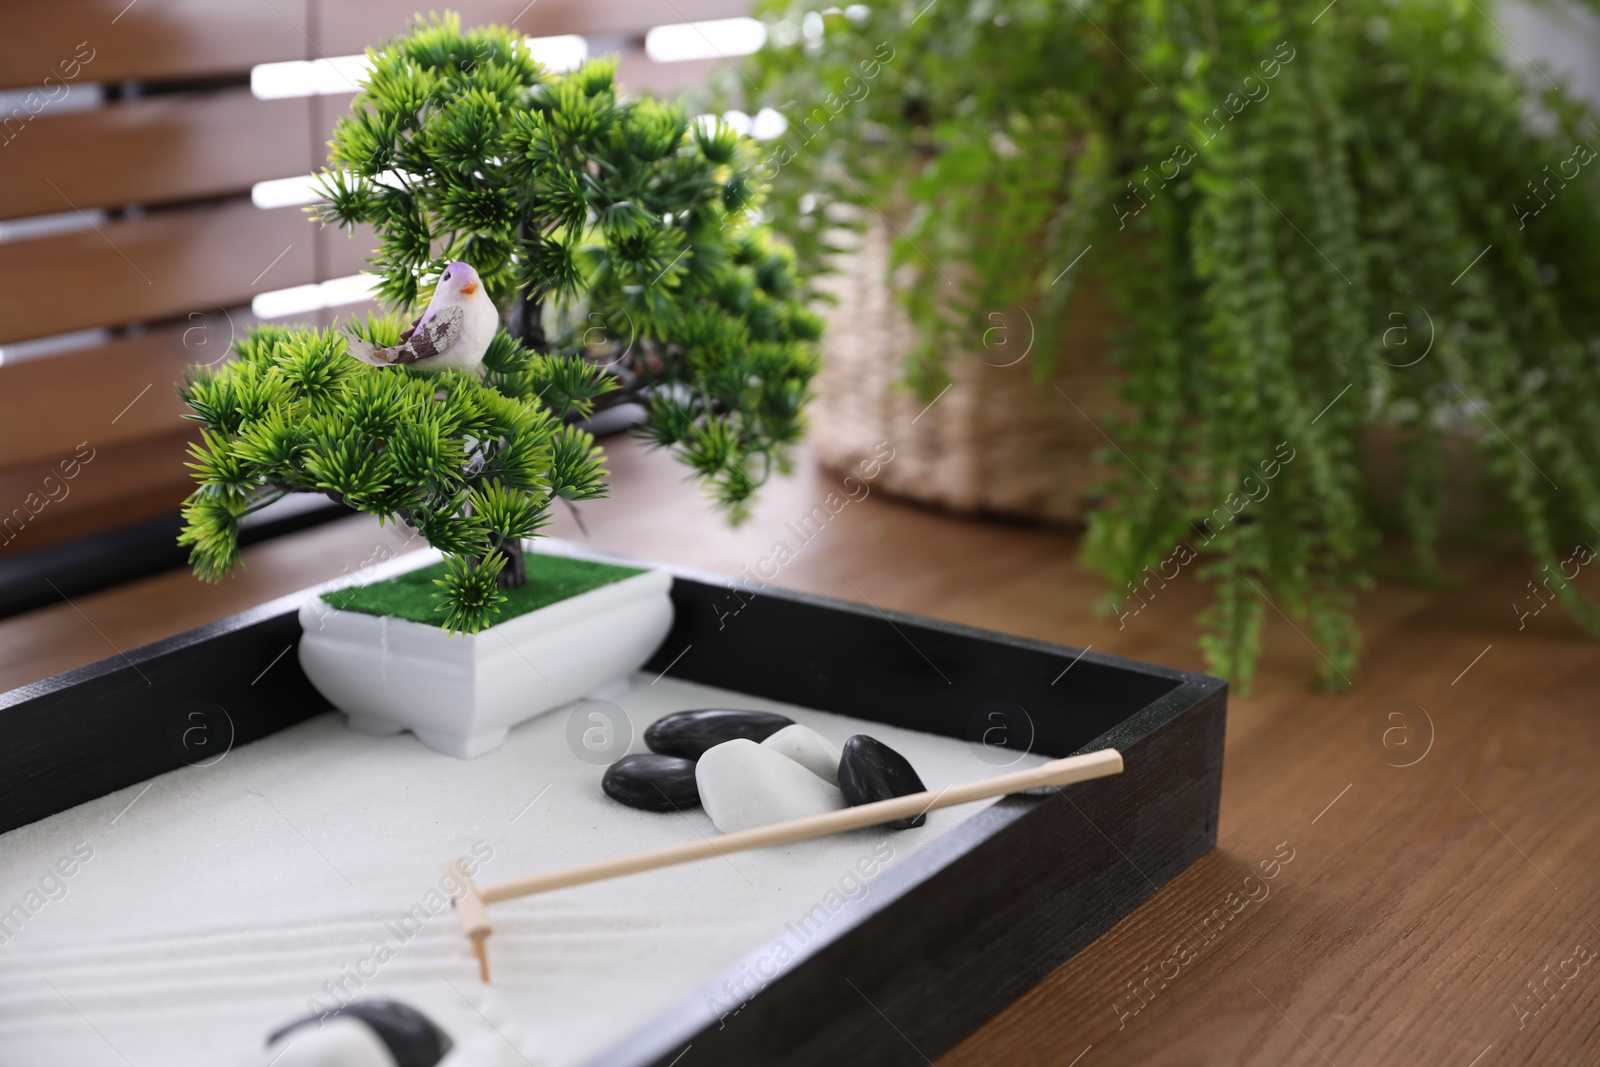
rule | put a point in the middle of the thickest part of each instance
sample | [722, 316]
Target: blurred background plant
[1314, 227]
[616, 237]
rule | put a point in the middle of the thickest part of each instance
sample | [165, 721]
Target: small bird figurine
[452, 334]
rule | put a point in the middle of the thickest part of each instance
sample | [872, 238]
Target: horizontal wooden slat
[194, 145]
[350, 26]
[124, 390]
[157, 267]
[111, 40]
[636, 72]
[639, 74]
[121, 391]
[120, 484]
[345, 252]
[152, 151]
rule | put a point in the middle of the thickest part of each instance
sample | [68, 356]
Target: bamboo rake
[471, 903]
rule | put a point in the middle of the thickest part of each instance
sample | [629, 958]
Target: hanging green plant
[1314, 222]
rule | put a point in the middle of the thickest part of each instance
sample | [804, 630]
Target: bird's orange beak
[469, 289]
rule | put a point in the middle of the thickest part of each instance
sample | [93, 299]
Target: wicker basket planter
[996, 442]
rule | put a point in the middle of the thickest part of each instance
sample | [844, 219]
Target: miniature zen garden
[552, 250]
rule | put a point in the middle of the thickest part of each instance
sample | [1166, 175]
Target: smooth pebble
[652, 783]
[363, 1033]
[809, 749]
[743, 785]
[691, 733]
[870, 770]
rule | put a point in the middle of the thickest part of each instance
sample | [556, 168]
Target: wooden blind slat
[119, 484]
[151, 268]
[639, 74]
[154, 151]
[350, 26]
[45, 408]
[111, 40]
[345, 252]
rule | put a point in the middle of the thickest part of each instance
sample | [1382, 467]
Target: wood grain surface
[1442, 912]
[163, 149]
[148, 39]
[162, 265]
[85, 488]
[349, 26]
[134, 396]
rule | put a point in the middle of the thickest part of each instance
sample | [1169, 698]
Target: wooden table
[1440, 912]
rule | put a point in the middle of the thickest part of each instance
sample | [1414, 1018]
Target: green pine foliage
[619, 241]
[472, 464]
[614, 232]
[1289, 204]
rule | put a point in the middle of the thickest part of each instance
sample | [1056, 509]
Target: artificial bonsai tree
[1316, 219]
[618, 239]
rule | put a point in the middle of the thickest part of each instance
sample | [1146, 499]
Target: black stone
[413, 1039]
[870, 770]
[690, 733]
[652, 782]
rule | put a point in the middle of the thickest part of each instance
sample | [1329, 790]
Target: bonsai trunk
[514, 575]
[525, 321]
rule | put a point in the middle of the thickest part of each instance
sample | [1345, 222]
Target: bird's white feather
[453, 334]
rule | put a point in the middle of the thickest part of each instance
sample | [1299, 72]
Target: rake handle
[1055, 773]
[471, 902]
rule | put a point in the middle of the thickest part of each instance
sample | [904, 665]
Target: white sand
[225, 897]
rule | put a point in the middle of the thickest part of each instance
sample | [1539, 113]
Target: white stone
[809, 749]
[338, 1042]
[743, 785]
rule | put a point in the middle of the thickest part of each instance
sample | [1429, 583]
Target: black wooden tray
[945, 940]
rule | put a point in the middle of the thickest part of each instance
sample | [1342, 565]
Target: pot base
[367, 724]
[459, 695]
[461, 746]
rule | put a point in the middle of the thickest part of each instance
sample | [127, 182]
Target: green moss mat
[410, 596]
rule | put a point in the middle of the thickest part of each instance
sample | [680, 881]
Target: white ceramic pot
[460, 694]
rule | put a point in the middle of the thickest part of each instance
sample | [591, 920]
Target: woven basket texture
[997, 442]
